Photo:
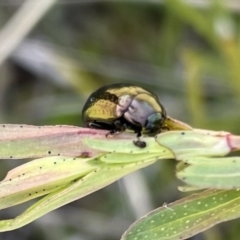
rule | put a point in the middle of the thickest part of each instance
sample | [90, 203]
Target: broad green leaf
[186, 217]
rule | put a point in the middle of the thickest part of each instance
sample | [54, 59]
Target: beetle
[121, 106]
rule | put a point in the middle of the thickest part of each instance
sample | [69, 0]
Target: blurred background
[53, 54]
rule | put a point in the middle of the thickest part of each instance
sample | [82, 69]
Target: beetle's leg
[113, 129]
[112, 132]
[119, 126]
[94, 125]
[139, 143]
[138, 130]
[139, 134]
[99, 125]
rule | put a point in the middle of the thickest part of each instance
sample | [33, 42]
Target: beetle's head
[154, 123]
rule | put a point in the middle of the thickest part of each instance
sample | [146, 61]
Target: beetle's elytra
[121, 106]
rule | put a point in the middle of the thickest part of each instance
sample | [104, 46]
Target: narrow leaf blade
[187, 217]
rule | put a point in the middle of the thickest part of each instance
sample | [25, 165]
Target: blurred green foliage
[188, 54]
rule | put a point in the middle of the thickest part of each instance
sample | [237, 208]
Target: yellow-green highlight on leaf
[187, 217]
[216, 173]
[125, 146]
[130, 158]
[188, 188]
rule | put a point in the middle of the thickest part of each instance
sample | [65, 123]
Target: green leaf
[91, 182]
[125, 145]
[217, 173]
[65, 179]
[25, 141]
[184, 144]
[40, 177]
[186, 217]
[129, 152]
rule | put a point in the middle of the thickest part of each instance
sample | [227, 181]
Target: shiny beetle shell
[117, 107]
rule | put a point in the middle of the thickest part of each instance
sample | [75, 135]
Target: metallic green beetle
[122, 106]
